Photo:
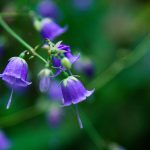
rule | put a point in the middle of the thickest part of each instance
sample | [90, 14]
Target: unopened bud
[66, 63]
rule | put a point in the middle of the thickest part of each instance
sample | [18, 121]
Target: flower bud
[66, 63]
[37, 24]
[44, 83]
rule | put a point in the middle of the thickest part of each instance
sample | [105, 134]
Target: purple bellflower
[74, 92]
[4, 142]
[47, 8]
[44, 83]
[57, 62]
[15, 75]
[50, 30]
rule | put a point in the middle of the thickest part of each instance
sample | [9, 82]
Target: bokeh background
[114, 35]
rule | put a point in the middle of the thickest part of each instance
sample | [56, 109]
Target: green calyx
[65, 81]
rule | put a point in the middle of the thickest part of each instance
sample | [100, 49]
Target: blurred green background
[114, 34]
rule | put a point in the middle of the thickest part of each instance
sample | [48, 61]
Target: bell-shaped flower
[50, 30]
[15, 74]
[73, 91]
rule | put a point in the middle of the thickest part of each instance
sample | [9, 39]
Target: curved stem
[11, 32]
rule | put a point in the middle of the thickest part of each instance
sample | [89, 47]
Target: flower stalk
[18, 38]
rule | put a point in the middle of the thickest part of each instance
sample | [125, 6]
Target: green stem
[11, 32]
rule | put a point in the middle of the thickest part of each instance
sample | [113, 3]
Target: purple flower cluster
[59, 61]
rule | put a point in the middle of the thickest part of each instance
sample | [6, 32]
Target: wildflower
[50, 30]
[47, 8]
[15, 75]
[4, 142]
[44, 83]
[57, 62]
[73, 91]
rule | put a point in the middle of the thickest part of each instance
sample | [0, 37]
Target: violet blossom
[15, 75]
[74, 92]
[50, 30]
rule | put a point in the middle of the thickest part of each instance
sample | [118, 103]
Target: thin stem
[78, 117]
[10, 98]
[11, 32]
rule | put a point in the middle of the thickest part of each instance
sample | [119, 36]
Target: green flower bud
[37, 24]
[66, 63]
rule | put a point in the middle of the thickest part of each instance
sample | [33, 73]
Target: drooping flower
[44, 83]
[4, 142]
[85, 66]
[50, 30]
[73, 91]
[57, 62]
[15, 75]
[82, 5]
[47, 8]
